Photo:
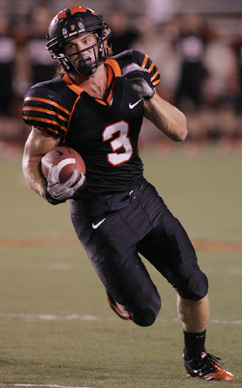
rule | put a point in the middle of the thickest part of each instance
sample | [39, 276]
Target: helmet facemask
[86, 65]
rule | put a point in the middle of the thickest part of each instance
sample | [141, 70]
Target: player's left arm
[143, 75]
[166, 117]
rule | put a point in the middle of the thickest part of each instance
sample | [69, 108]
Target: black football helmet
[69, 24]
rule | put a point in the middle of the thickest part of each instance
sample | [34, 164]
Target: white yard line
[51, 317]
[42, 386]
[86, 317]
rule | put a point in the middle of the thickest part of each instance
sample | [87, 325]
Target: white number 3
[122, 141]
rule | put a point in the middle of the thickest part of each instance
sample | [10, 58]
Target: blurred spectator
[7, 57]
[160, 11]
[190, 45]
[237, 46]
[42, 66]
[124, 33]
[221, 87]
[157, 42]
[158, 47]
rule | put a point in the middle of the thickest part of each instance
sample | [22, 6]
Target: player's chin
[91, 72]
[87, 70]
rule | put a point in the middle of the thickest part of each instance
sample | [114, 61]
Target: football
[66, 159]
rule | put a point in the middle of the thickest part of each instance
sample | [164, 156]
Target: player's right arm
[36, 146]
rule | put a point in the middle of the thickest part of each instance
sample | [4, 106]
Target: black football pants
[115, 229]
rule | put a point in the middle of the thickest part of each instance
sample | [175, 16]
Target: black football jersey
[105, 132]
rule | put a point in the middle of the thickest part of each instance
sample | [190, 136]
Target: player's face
[82, 44]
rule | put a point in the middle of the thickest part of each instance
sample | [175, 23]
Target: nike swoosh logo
[95, 226]
[60, 153]
[56, 196]
[131, 106]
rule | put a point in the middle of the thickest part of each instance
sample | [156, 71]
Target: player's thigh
[170, 250]
[112, 250]
[122, 272]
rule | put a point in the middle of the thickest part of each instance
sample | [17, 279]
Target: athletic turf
[56, 328]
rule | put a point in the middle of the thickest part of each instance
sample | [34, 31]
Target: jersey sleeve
[43, 110]
[142, 60]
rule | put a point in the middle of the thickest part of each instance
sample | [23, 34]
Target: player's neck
[96, 84]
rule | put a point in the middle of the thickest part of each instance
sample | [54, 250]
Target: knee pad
[147, 315]
[197, 286]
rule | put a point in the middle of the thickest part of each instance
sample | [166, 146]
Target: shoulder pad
[44, 110]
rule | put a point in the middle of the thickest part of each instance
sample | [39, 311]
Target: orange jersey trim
[114, 70]
[156, 82]
[75, 88]
[101, 101]
[154, 76]
[114, 66]
[48, 102]
[151, 67]
[45, 121]
[73, 108]
[145, 61]
[52, 112]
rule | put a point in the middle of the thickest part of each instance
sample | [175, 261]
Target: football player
[96, 106]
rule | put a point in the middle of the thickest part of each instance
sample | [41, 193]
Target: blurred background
[47, 284]
[196, 45]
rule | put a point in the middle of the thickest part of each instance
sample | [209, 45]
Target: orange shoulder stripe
[47, 130]
[52, 112]
[48, 102]
[45, 121]
[154, 76]
[145, 61]
[156, 82]
[151, 67]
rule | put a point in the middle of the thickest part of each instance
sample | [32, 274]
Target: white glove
[140, 80]
[57, 192]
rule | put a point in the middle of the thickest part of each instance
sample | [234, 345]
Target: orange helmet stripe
[73, 10]
[61, 15]
[77, 9]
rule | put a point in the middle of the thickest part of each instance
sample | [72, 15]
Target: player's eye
[86, 40]
[70, 46]
[89, 39]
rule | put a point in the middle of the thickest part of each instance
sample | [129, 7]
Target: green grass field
[56, 329]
